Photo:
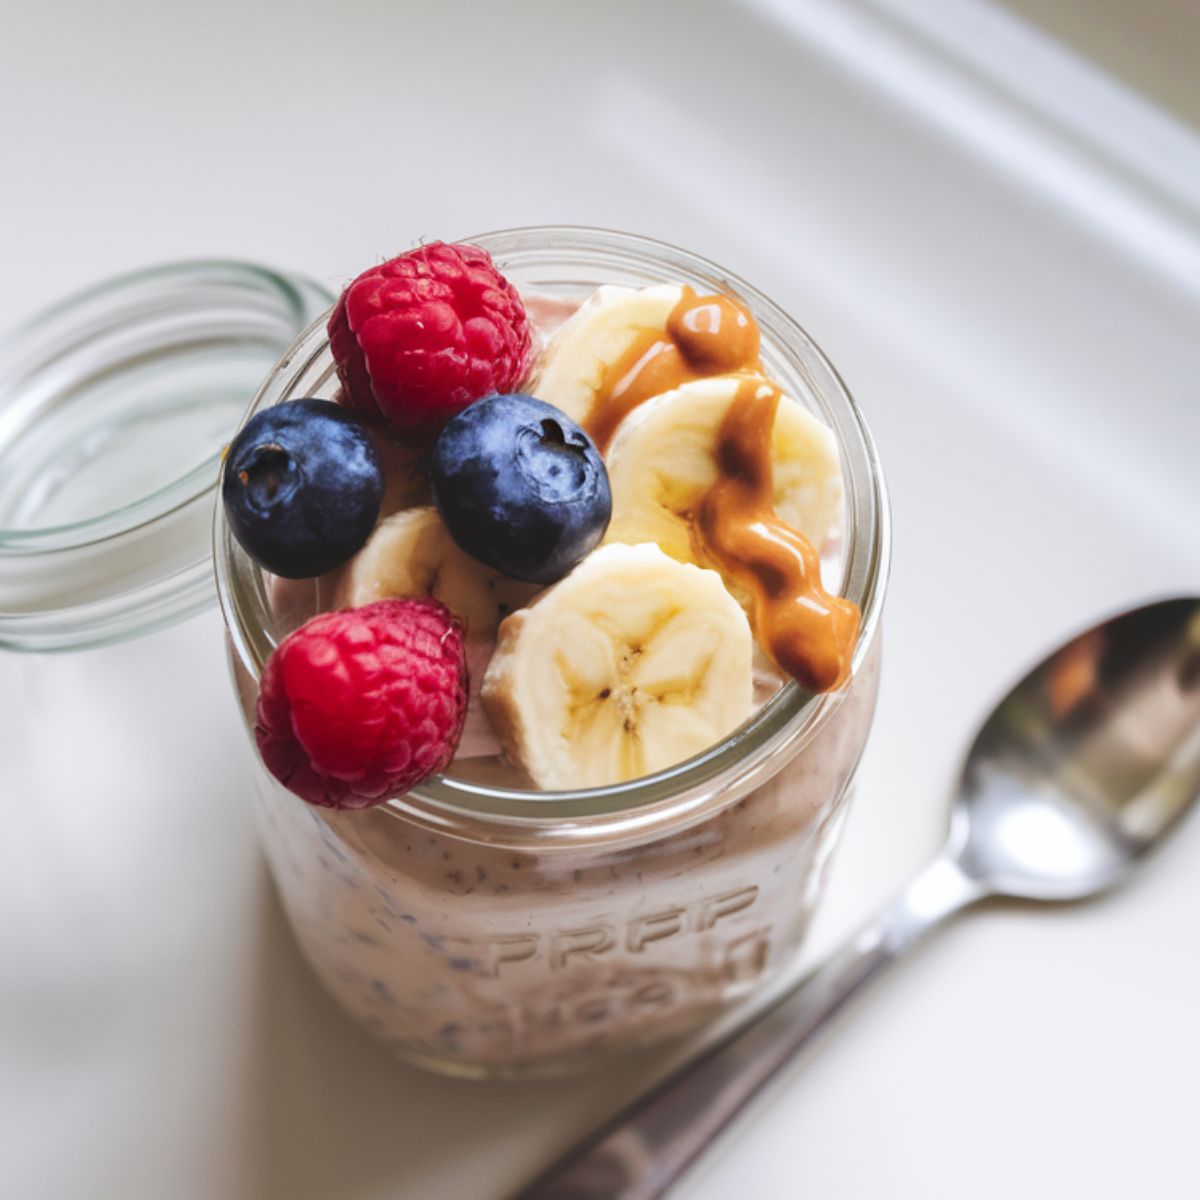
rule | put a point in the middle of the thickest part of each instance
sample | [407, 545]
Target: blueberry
[521, 487]
[302, 487]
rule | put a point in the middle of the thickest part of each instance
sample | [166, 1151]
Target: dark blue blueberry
[302, 487]
[521, 487]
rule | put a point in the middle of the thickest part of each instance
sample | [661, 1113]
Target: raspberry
[359, 705]
[421, 336]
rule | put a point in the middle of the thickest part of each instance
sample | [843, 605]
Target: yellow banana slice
[589, 344]
[411, 553]
[632, 663]
[663, 459]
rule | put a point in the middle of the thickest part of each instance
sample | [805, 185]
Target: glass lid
[115, 405]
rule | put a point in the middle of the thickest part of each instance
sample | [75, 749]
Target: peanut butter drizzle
[809, 633]
[704, 335]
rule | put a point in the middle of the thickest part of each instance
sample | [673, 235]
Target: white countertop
[1011, 291]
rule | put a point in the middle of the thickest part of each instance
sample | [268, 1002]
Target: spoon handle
[642, 1151]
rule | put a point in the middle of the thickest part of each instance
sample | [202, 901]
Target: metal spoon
[1086, 764]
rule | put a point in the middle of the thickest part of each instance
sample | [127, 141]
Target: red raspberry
[420, 337]
[360, 705]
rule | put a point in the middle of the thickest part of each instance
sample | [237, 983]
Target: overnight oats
[552, 564]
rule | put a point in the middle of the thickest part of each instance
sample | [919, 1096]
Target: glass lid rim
[194, 485]
[197, 481]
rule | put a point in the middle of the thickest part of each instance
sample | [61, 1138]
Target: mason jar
[485, 931]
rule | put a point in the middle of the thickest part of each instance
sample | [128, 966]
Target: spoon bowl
[1087, 762]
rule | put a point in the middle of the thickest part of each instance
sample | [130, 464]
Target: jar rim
[726, 770]
[109, 340]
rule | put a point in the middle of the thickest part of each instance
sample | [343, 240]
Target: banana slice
[412, 554]
[405, 473]
[608, 324]
[630, 664]
[663, 459]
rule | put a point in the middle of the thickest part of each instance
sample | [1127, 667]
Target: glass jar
[481, 931]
